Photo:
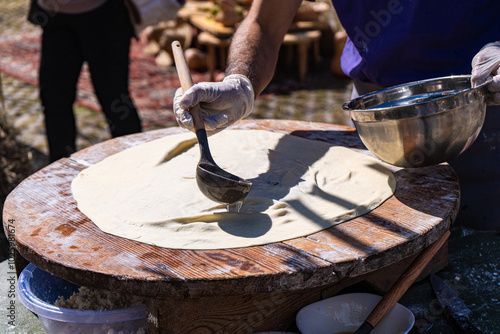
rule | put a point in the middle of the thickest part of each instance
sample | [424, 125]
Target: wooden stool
[303, 40]
[212, 43]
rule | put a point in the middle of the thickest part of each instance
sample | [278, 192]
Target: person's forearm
[256, 43]
[251, 55]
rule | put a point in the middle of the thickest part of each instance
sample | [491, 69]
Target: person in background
[98, 32]
[389, 42]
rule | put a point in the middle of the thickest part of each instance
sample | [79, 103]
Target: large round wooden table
[241, 290]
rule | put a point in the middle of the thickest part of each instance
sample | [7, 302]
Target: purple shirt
[398, 41]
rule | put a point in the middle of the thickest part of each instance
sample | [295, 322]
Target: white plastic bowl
[345, 313]
[38, 291]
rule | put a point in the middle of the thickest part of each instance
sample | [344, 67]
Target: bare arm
[256, 43]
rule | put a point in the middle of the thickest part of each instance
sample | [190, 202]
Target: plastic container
[38, 291]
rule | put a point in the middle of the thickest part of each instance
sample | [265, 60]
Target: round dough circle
[149, 193]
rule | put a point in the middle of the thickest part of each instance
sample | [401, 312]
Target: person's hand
[221, 103]
[486, 66]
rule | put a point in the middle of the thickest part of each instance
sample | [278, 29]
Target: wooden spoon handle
[405, 281]
[186, 81]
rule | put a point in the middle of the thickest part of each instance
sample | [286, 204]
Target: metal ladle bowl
[421, 123]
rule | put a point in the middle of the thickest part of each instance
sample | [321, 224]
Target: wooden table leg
[302, 50]
[211, 62]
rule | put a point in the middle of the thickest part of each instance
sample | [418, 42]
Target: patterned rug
[152, 87]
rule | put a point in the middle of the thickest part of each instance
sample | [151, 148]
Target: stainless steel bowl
[421, 123]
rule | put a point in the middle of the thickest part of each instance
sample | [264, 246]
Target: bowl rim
[347, 105]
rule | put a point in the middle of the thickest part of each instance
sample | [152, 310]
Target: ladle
[214, 182]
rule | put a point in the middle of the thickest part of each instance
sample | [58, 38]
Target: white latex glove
[485, 66]
[221, 103]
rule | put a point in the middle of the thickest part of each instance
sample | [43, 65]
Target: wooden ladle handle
[403, 283]
[186, 81]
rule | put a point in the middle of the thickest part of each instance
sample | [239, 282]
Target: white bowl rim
[354, 297]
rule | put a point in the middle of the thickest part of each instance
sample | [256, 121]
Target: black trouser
[101, 38]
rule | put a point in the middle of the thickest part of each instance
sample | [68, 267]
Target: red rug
[152, 88]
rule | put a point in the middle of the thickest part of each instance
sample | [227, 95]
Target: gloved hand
[221, 103]
[485, 66]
